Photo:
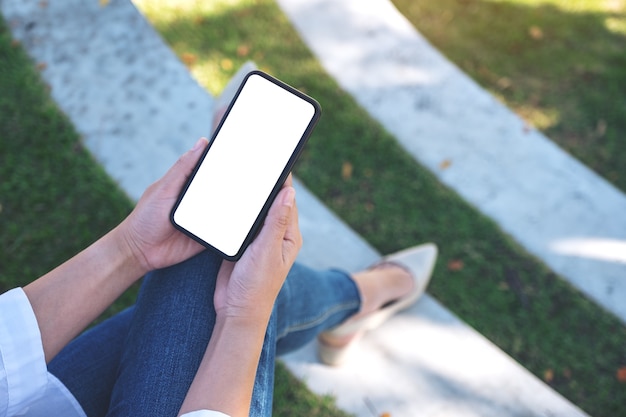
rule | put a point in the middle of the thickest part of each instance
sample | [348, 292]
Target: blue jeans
[142, 361]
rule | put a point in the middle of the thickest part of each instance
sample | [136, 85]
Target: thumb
[279, 217]
[182, 169]
[188, 160]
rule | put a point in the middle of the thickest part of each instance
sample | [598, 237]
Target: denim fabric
[142, 361]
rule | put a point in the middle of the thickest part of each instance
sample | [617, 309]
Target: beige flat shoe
[420, 262]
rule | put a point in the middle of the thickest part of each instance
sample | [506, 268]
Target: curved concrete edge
[425, 359]
[554, 206]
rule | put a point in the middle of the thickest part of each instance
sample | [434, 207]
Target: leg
[163, 350]
[263, 392]
[341, 307]
[88, 365]
[172, 324]
[311, 302]
[174, 319]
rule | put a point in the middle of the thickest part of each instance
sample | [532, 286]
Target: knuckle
[283, 221]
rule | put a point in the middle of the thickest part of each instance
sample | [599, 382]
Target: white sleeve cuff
[23, 371]
[204, 413]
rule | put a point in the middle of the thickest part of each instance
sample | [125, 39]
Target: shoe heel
[336, 356]
[333, 356]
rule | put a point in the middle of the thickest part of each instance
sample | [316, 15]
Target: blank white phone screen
[244, 163]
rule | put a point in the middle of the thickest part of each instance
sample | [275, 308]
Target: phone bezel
[277, 186]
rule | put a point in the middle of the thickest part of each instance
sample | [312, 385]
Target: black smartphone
[245, 164]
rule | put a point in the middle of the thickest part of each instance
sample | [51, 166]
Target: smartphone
[245, 164]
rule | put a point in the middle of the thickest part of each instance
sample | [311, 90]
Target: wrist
[243, 317]
[68, 298]
[129, 250]
[225, 378]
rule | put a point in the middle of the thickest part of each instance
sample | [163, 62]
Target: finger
[224, 273]
[223, 277]
[292, 241]
[226, 268]
[288, 181]
[278, 218]
[182, 169]
[189, 159]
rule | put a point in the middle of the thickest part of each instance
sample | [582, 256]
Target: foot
[389, 287]
[381, 285]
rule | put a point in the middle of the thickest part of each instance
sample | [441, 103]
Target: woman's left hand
[249, 287]
[152, 239]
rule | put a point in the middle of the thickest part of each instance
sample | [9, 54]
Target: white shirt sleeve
[205, 413]
[23, 371]
[26, 388]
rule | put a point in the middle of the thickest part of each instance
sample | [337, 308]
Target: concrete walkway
[553, 205]
[138, 109]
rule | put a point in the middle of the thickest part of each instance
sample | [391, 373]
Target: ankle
[381, 285]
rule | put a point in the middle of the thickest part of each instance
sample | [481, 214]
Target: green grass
[55, 200]
[560, 64]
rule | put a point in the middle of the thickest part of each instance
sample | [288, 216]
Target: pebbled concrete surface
[554, 206]
[118, 82]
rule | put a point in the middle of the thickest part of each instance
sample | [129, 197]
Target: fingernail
[198, 144]
[290, 197]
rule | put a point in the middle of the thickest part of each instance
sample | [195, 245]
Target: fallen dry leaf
[385, 415]
[621, 374]
[42, 66]
[243, 50]
[189, 59]
[445, 164]
[226, 64]
[103, 3]
[346, 170]
[504, 83]
[455, 265]
[535, 32]
[548, 375]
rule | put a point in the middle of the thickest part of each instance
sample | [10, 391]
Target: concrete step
[424, 361]
[134, 103]
[138, 109]
[554, 206]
